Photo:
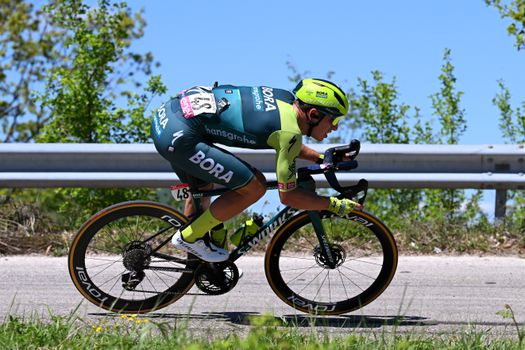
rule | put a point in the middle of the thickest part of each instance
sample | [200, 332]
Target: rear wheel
[116, 263]
[366, 261]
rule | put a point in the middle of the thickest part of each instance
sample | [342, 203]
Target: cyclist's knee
[261, 184]
[256, 188]
[262, 180]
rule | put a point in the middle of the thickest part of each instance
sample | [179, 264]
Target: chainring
[216, 278]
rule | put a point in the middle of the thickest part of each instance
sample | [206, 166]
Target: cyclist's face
[321, 131]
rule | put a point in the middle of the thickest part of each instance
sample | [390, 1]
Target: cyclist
[185, 128]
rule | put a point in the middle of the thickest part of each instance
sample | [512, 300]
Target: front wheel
[366, 261]
[121, 258]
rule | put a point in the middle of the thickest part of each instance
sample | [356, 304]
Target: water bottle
[248, 229]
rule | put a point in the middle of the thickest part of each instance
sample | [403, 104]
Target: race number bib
[197, 100]
[180, 192]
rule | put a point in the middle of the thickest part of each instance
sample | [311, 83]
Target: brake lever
[335, 155]
[356, 192]
[355, 147]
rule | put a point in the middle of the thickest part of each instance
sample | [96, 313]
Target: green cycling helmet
[324, 95]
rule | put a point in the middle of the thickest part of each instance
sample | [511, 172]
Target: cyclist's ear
[313, 113]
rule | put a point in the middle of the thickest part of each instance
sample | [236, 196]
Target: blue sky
[248, 43]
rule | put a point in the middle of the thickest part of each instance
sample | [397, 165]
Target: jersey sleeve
[288, 145]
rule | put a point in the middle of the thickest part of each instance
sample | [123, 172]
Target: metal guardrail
[499, 167]
[386, 166]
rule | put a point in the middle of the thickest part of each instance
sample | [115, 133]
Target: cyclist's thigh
[212, 164]
[181, 143]
[193, 181]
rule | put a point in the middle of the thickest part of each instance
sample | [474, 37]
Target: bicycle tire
[292, 252]
[95, 258]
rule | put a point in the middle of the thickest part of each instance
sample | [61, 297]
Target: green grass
[427, 237]
[265, 332]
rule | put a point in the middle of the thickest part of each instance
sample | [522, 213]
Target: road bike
[122, 260]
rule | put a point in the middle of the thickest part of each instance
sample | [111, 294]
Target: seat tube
[198, 206]
[315, 218]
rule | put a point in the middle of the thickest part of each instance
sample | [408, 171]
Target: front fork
[324, 245]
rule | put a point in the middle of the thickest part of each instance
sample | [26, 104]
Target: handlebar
[335, 155]
[333, 162]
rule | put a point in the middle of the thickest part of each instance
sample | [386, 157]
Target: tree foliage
[385, 120]
[81, 93]
[28, 48]
[447, 203]
[98, 75]
[79, 60]
[515, 11]
[512, 120]
[446, 104]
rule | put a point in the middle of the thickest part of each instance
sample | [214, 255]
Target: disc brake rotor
[338, 253]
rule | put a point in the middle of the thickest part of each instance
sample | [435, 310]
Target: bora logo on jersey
[263, 100]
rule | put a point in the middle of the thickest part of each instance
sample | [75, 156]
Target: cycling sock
[199, 227]
[218, 235]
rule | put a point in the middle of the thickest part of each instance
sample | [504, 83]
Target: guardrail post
[501, 205]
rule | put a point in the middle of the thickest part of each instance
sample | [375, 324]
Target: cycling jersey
[185, 128]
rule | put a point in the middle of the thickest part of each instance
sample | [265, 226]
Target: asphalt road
[428, 294]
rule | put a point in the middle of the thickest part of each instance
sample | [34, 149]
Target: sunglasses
[335, 119]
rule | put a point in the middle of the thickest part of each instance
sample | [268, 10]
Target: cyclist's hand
[343, 206]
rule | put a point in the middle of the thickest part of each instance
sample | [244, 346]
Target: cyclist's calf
[189, 205]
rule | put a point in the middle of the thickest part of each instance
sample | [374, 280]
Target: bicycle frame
[268, 228]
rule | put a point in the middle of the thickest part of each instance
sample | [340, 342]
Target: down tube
[265, 230]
